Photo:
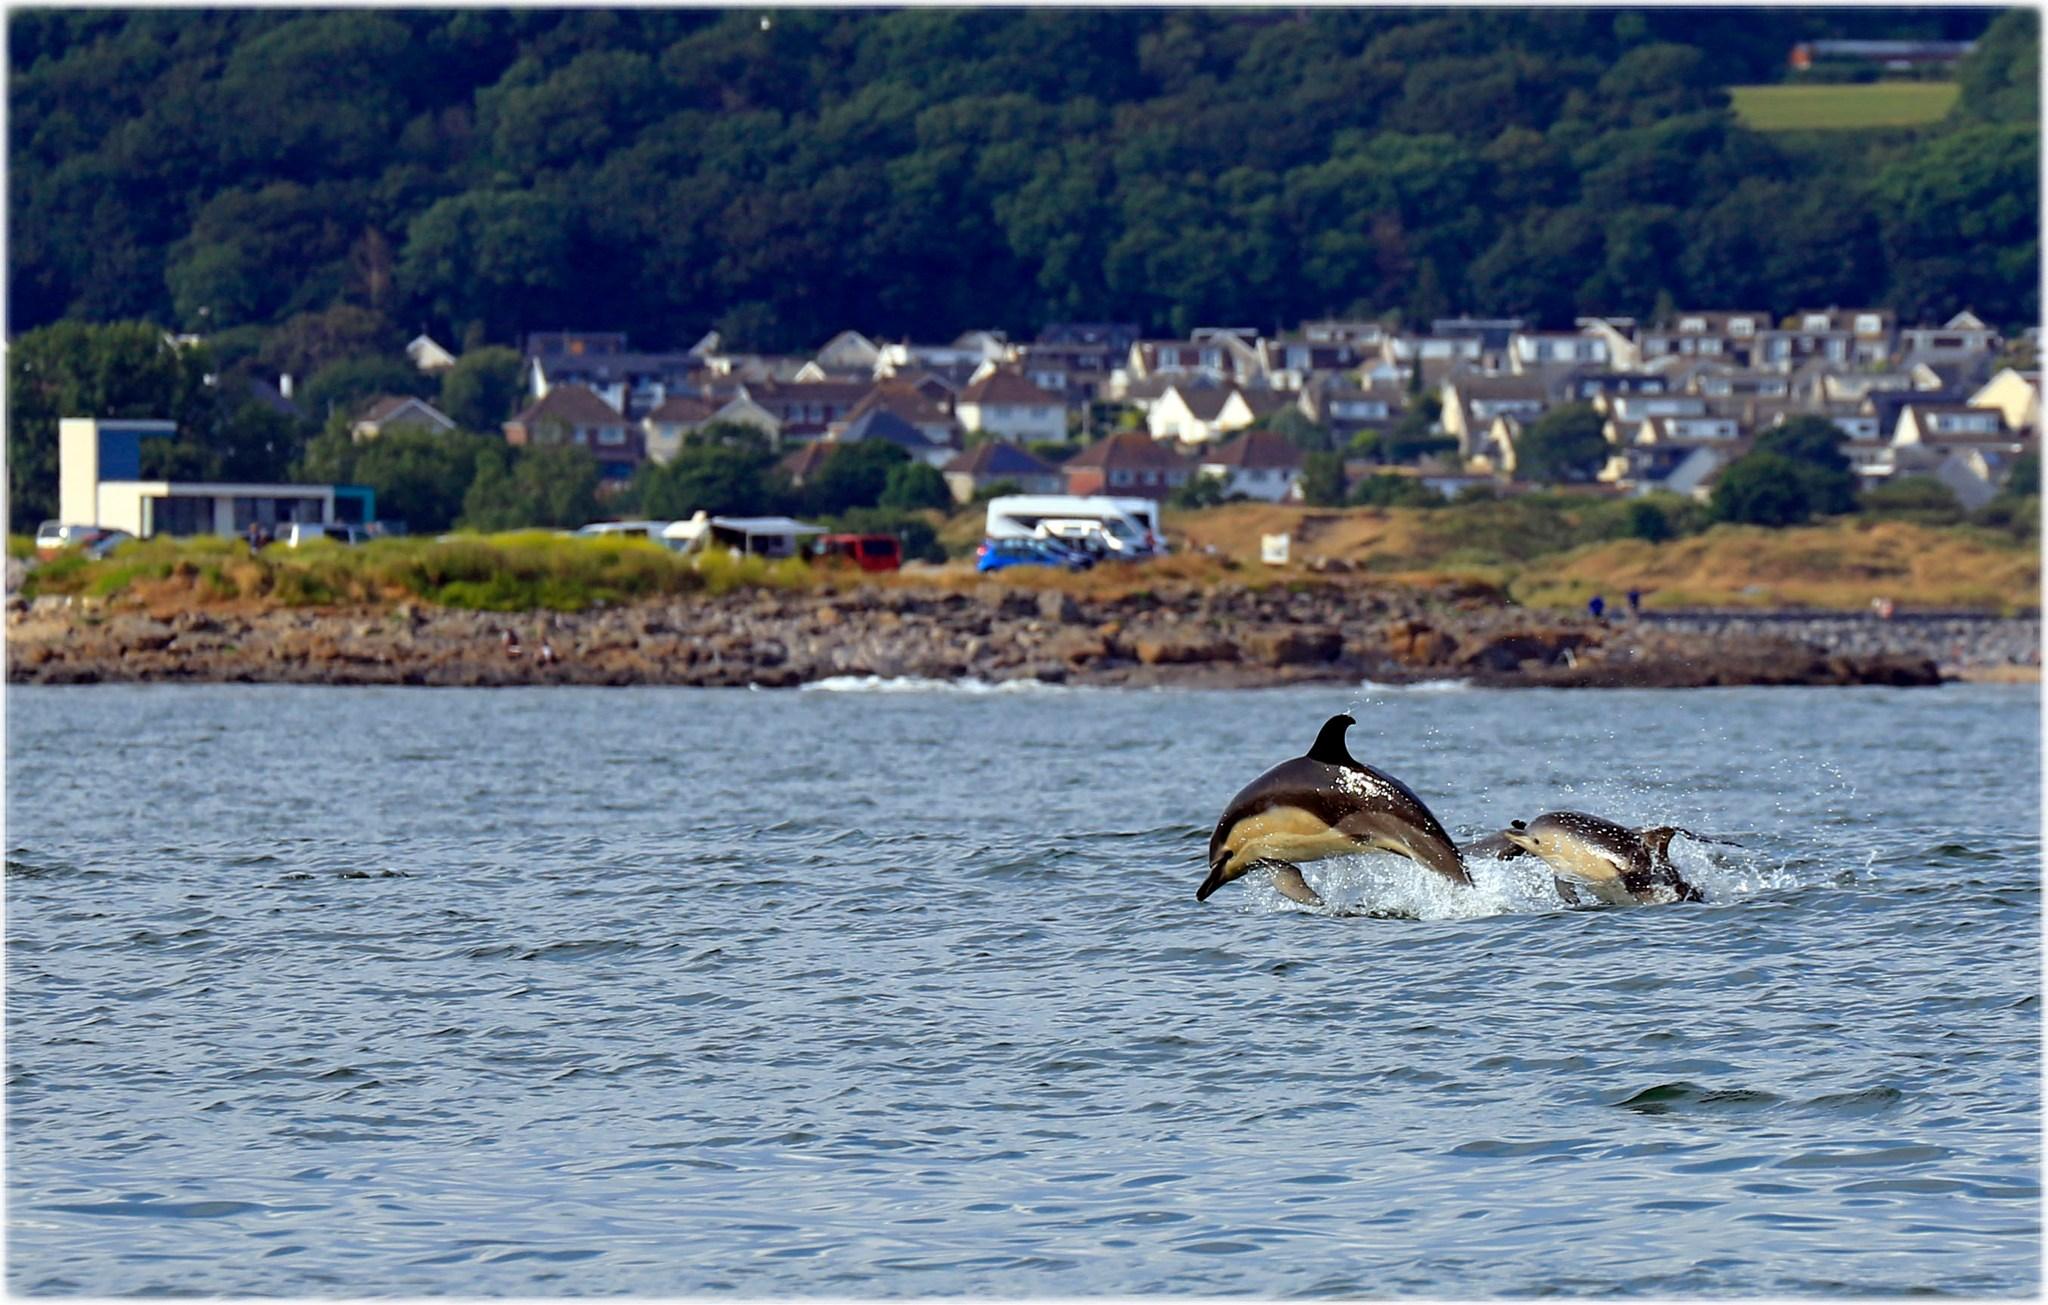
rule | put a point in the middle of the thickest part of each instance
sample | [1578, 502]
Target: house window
[1710, 346]
[1119, 477]
[1816, 321]
[1868, 324]
[1692, 325]
[611, 435]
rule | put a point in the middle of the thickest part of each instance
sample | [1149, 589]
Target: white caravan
[1127, 526]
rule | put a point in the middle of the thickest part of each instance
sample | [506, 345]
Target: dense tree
[484, 174]
[1762, 489]
[1322, 479]
[421, 477]
[76, 369]
[483, 388]
[519, 488]
[716, 477]
[1565, 444]
[345, 387]
[1814, 446]
[2000, 80]
[1394, 491]
[853, 476]
[1912, 498]
[915, 485]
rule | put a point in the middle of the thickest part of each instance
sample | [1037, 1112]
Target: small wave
[925, 684]
[1414, 686]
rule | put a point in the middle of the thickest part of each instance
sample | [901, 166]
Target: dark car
[996, 554]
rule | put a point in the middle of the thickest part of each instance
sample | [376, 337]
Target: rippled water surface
[317, 991]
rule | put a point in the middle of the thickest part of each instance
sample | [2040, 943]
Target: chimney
[284, 384]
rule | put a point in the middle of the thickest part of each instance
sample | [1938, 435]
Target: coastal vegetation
[1541, 550]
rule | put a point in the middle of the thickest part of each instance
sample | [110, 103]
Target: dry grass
[1840, 564]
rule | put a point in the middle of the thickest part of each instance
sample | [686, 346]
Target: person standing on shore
[1635, 602]
[1597, 606]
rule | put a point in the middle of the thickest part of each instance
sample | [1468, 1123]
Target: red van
[868, 552]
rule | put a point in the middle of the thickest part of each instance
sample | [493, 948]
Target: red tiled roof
[682, 408]
[576, 404]
[1256, 450]
[1130, 450]
[1007, 387]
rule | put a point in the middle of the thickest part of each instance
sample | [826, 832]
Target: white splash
[1385, 885]
[1419, 686]
[922, 684]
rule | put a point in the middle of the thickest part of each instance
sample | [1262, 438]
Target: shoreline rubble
[1210, 636]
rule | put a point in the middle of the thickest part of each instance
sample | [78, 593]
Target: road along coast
[1333, 631]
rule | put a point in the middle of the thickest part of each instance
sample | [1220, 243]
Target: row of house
[1680, 397]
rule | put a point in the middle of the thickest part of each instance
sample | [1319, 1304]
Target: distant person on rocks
[511, 644]
[547, 651]
[1597, 606]
[1883, 608]
[1635, 602]
[258, 537]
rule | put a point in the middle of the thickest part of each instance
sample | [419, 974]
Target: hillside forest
[780, 175]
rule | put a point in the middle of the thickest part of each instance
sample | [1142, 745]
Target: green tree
[2024, 480]
[2000, 80]
[1394, 491]
[1566, 444]
[1814, 444]
[421, 477]
[1647, 521]
[343, 388]
[853, 476]
[1322, 479]
[914, 485]
[516, 489]
[1912, 498]
[80, 369]
[718, 478]
[1302, 431]
[1762, 489]
[483, 388]
[1204, 490]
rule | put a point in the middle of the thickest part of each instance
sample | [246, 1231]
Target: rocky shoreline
[1191, 635]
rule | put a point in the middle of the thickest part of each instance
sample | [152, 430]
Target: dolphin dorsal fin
[1329, 745]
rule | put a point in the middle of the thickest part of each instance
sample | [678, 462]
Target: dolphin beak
[1213, 882]
[1519, 839]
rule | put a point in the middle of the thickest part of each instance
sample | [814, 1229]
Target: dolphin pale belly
[1619, 865]
[1319, 805]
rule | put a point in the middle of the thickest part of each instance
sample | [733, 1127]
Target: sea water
[903, 990]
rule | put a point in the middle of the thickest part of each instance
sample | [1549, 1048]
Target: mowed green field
[1823, 108]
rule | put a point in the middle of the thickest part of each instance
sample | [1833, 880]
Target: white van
[1126, 527]
[632, 529]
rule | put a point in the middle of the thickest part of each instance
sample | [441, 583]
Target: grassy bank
[531, 571]
[1554, 554]
[1541, 551]
[1842, 107]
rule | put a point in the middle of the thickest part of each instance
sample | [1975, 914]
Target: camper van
[1114, 527]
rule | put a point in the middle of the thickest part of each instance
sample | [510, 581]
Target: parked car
[53, 535]
[105, 542]
[868, 552]
[294, 533]
[998, 554]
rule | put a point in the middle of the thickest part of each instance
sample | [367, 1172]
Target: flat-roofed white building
[99, 483]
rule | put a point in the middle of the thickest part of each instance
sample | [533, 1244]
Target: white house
[428, 355]
[1260, 464]
[1004, 404]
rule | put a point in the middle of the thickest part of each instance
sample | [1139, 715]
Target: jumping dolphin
[1620, 865]
[1321, 805]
